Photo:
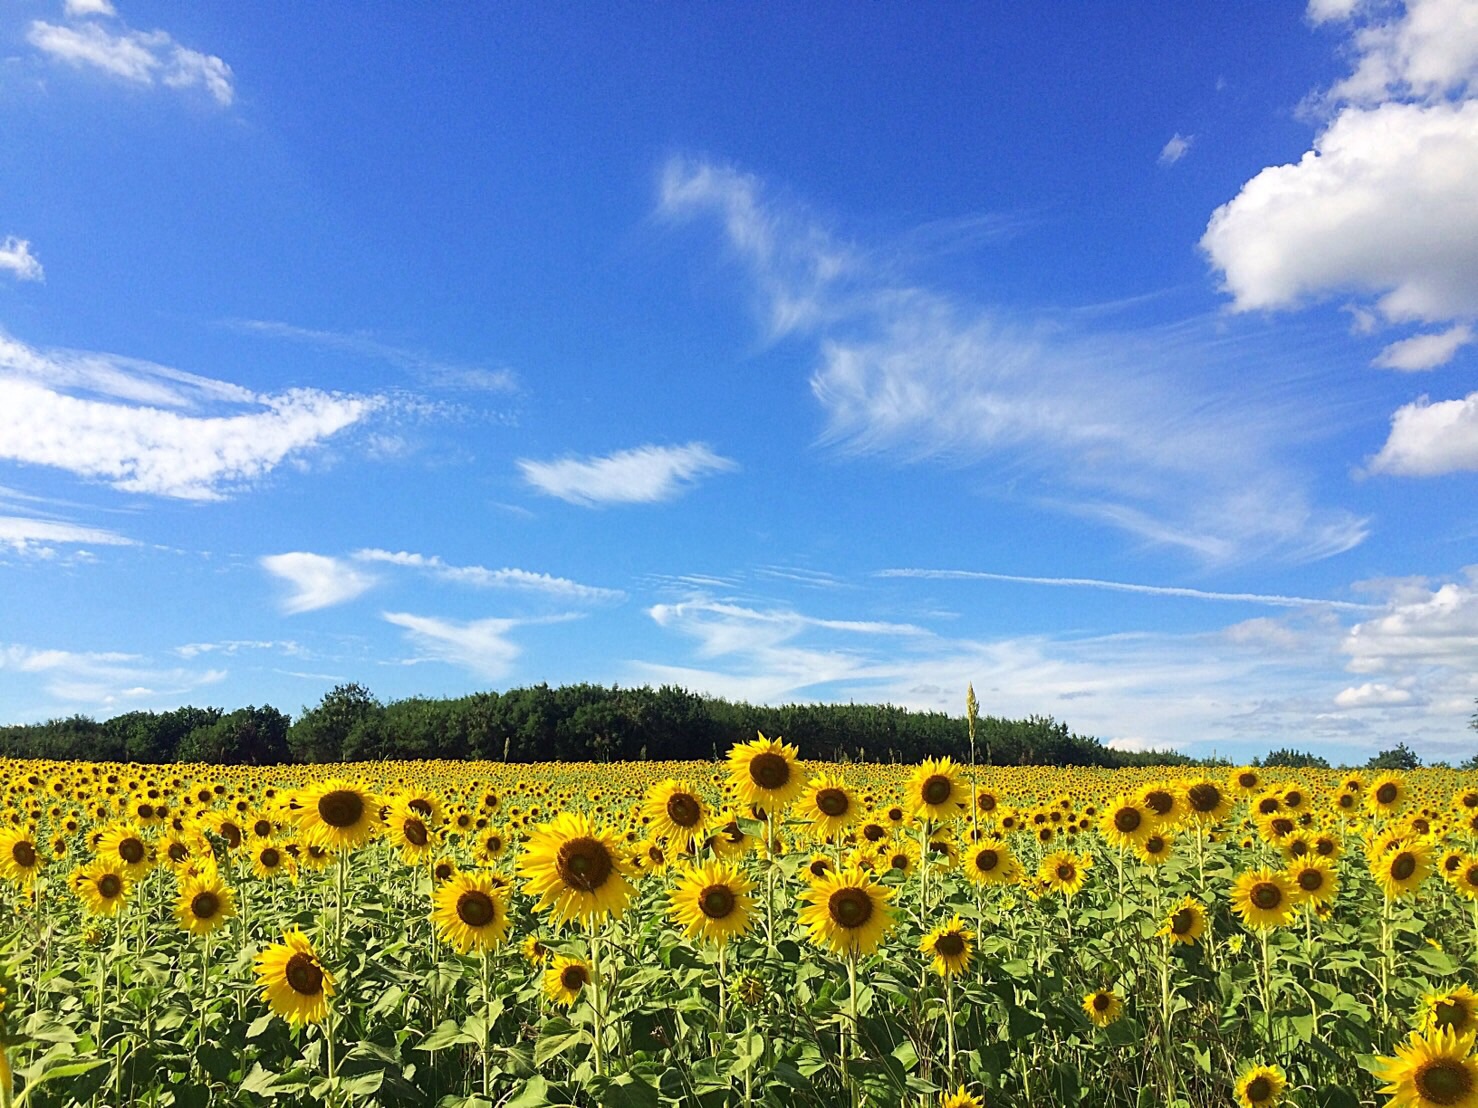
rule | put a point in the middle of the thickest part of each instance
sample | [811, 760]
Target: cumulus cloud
[1419, 49]
[1140, 431]
[1178, 147]
[16, 256]
[79, 9]
[1373, 694]
[480, 646]
[139, 57]
[317, 581]
[1425, 351]
[642, 475]
[1423, 628]
[482, 577]
[1428, 440]
[144, 446]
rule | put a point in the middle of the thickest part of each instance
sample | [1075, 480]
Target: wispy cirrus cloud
[146, 428]
[144, 58]
[16, 256]
[110, 680]
[641, 475]
[36, 536]
[480, 646]
[316, 581]
[482, 577]
[1144, 431]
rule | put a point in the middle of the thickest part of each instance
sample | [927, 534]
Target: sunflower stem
[1267, 987]
[1166, 1061]
[595, 1003]
[723, 1002]
[487, 1009]
[949, 1015]
[339, 880]
[850, 1040]
[204, 999]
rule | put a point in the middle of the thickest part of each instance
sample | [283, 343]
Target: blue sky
[1116, 358]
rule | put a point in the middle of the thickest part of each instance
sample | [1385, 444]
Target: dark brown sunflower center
[832, 802]
[178, 852]
[1387, 793]
[1282, 826]
[231, 833]
[656, 855]
[476, 909]
[421, 806]
[1403, 865]
[936, 790]
[1247, 780]
[1470, 877]
[444, 870]
[584, 864]
[23, 854]
[1266, 895]
[131, 851]
[873, 833]
[1470, 800]
[341, 808]
[1102, 1002]
[1259, 1089]
[949, 945]
[1293, 798]
[261, 829]
[1183, 922]
[987, 802]
[1298, 848]
[1311, 880]
[495, 844]
[1159, 801]
[304, 974]
[1449, 1013]
[1154, 845]
[1346, 800]
[684, 810]
[110, 885]
[1204, 797]
[987, 860]
[270, 857]
[1066, 872]
[1127, 821]
[769, 770]
[819, 867]
[850, 908]
[205, 905]
[1443, 1081]
[717, 902]
[415, 832]
[573, 978]
[1268, 805]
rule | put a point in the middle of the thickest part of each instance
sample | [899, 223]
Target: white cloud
[1162, 433]
[1383, 205]
[141, 57]
[1428, 440]
[480, 646]
[1423, 628]
[1419, 49]
[1134, 744]
[1178, 147]
[79, 9]
[1425, 351]
[141, 447]
[106, 680]
[16, 256]
[317, 580]
[26, 534]
[235, 646]
[642, 475]
[1373, 694]
[481, 577]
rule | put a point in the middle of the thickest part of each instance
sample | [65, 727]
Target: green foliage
[1293, 759]
[1401, 758]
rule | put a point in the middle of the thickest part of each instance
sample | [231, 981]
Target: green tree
[1402, 757]
[249, 736]
[1293, 759]
[327, 733]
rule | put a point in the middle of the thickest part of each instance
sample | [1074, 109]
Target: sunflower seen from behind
[294, 983]
[712, 902]
[847, 912]
[469, 912]
[576, 869]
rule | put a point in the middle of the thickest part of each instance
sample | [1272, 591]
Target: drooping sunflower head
[577, 869]
[1186, 923]
[712, 902]
[337, 814]
[565, 980]
[935, 791]
[1103, 1006]
[951, 945]
[295, 984]
[766, 773]
[676, 812]
[1260, 1086]
[204, 904]
[1435, 1070]
[1263, 898]
[847, 912]
[469, 912]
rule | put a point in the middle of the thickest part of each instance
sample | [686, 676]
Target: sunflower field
[761, 931]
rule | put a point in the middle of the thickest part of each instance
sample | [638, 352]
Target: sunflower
[951, 945]
[576, 869]
[676, 812]
[1260, 1086]
[765, 773]
[712, 902]
[1245, 781]
[1436, 1070]
[847, 912]
[901, 857]
[270, 861]
[125, 844]
[1314, 881]
[1165, 803]
[1465, 879]
[1455, 1010]
[1154, 848]
[829, 805]
[295, 984]
[990, 862]
[819, 866]
[1126, 822]
[1263, 898]
[533, 950]
[409, 827]
[1207, 803]
[729, 840]
[1062, 872]
[204, 904]
[1402, 868]
[565, 980]
[1186, 923]
[934, 790]
[469, 912]
[337, 814]
[103, 886]
[961, 1098]
[1387, 795]
[1103, 1006]
[20, 860]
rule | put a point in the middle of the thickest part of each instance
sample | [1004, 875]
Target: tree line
[538, 723]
